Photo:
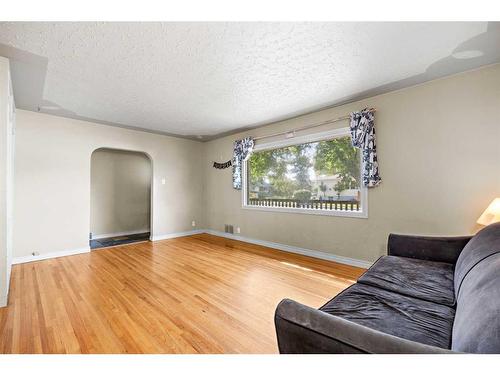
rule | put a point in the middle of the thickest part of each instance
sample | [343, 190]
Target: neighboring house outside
[260, 190]
[330, 193]
[263, 190]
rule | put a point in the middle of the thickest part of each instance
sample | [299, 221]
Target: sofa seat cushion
[406, 317]
[423, 279]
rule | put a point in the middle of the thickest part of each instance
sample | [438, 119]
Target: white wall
[439, 155]
[120, 192]
[7, 119]
[52, 180]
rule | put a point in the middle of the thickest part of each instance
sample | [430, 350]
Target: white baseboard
[117, 234]
[295, 250]
[34, 258]
[177, 234]
[3, 300]
[57, 254]
[273, 245]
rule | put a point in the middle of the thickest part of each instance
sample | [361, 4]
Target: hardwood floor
[197, 294]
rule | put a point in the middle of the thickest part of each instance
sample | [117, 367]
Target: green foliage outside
[323, 187]
[286, 172]
[302, 195]
[339, 157]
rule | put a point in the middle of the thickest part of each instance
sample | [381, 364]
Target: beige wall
[439, 155]
[120, 192]
[7, 118]
[439, 160]
[52, 180]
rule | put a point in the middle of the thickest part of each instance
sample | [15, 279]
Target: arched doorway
[120, 197]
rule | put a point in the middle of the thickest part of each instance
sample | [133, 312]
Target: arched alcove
[120, 197]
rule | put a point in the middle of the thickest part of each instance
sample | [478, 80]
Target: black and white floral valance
[363, 137]
[242, 149]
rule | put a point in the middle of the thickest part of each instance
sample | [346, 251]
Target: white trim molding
[56, 254]
[295, 250]
[315, 137]
[83, 250]
[117, 234]
[177, 234]
[4, 299]
[272, 245]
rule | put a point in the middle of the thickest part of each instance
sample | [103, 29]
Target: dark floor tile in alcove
[118, 240]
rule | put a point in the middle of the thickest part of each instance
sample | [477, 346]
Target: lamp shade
[491, 214]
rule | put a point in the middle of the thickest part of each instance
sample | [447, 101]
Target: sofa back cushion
[476, 328]
[483, 245]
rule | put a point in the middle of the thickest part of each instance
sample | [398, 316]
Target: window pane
[319, 175]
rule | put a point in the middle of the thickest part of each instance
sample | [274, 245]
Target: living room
[262, 187]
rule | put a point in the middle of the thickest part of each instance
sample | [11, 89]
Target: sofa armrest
[303, 330]
[437, 249]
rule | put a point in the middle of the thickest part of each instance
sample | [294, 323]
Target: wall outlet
[35, 253]
[238, 230]
[163, 181]
[193, 223]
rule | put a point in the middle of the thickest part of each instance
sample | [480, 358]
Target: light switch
[163, 181]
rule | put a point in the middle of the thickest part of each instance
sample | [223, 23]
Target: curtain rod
[346, 117]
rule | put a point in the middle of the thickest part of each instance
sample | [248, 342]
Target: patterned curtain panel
[363, 137]
[242, 149]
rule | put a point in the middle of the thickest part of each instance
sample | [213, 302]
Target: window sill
[310, 211]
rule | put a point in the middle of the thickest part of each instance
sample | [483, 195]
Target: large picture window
[313, 174]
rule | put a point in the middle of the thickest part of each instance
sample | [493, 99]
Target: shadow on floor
[118, 240]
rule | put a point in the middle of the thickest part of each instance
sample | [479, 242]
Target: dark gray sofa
[428, 295]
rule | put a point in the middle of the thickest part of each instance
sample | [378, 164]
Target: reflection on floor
[196, 294]
[119, 240]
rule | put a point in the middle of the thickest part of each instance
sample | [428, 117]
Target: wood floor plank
[196, 294]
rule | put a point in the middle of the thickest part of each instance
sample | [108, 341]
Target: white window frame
[316, 137]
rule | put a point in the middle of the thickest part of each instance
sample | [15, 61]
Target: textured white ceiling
[210, 78]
